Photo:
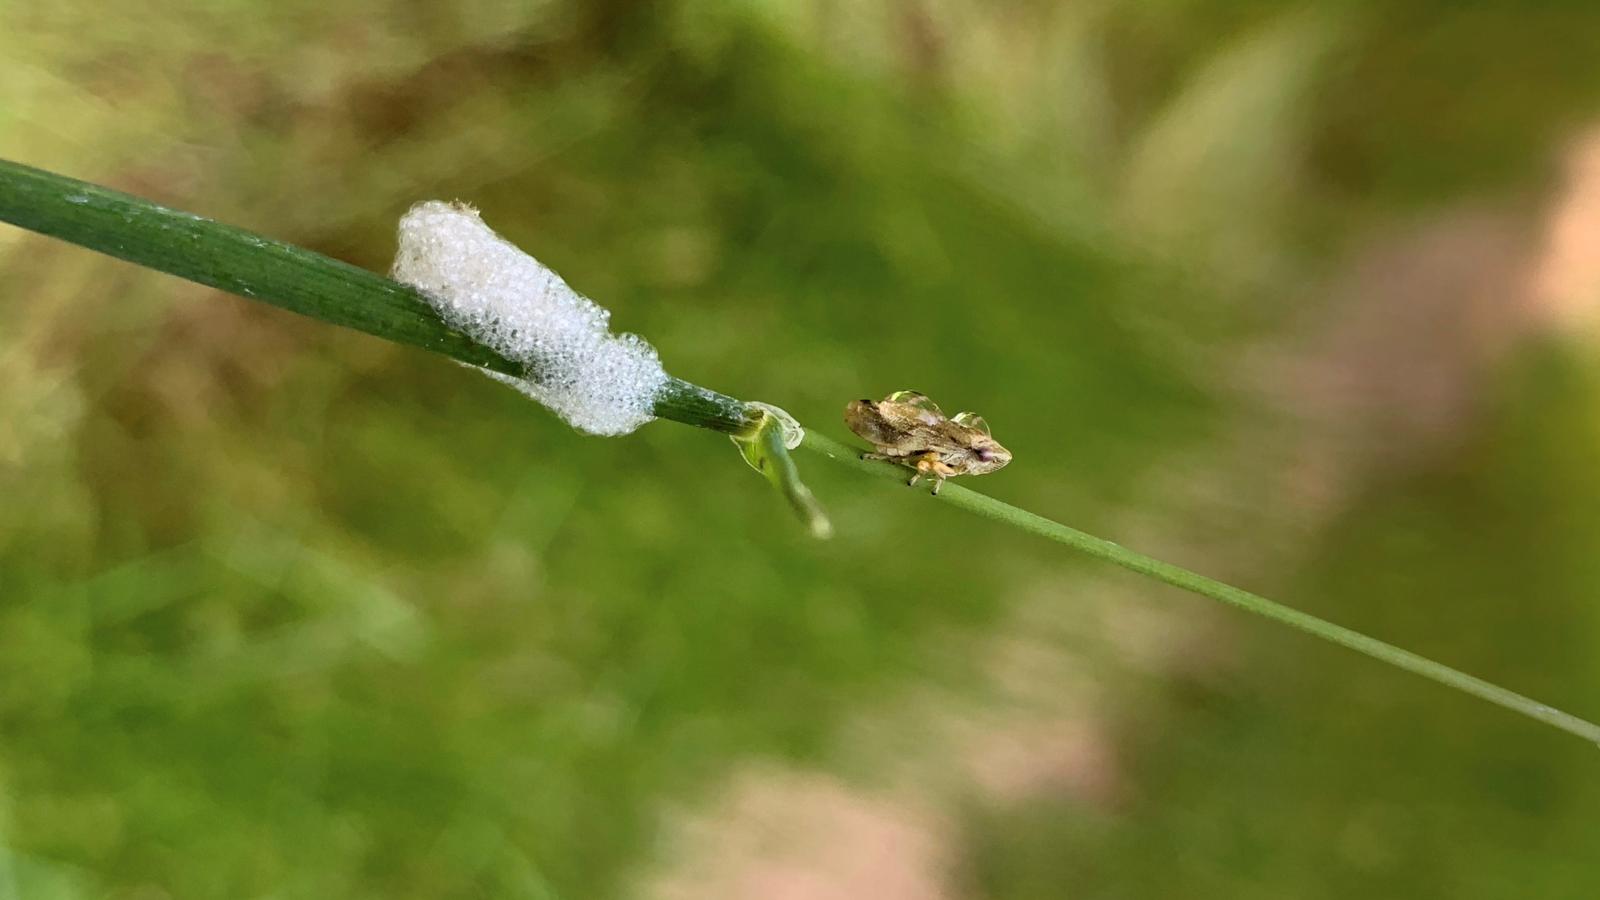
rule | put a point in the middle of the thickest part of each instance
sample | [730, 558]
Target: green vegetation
[293, 278]
[289, 611]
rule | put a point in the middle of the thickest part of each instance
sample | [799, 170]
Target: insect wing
[908, 428]
[916, 400]
[973, 421]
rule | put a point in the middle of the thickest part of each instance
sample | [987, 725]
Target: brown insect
[906, 427]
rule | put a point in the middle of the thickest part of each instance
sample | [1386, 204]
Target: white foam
[480, 283]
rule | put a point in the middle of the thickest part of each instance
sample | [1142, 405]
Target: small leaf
[765, 445]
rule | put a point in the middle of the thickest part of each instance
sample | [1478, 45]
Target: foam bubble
[508, 301]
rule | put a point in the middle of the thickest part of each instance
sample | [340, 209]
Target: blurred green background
[1297, 294]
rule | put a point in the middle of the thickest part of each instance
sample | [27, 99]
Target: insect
[906, 427]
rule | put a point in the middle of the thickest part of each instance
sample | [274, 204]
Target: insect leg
[928, 464]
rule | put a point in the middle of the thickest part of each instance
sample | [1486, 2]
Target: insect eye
[985, 454]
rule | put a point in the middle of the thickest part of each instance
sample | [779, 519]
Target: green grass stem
[293, 278]
[1179, 577]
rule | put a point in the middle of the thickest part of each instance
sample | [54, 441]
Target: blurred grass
[287, 611]
[1336, 780]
